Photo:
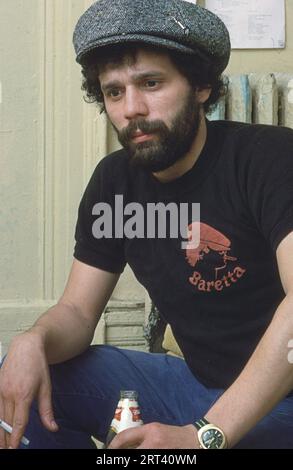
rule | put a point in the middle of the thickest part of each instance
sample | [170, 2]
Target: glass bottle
[127, 415]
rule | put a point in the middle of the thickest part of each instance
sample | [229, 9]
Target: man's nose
[134, 104]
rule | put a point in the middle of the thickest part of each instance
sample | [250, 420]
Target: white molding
[49, 150]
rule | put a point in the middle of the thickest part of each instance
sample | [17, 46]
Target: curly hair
[199, 72]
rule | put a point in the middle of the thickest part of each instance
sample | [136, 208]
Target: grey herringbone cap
[172, 24]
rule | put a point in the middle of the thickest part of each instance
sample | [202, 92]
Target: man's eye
[115, 93]
[151, 83]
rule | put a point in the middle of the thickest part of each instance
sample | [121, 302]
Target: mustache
[147, 127]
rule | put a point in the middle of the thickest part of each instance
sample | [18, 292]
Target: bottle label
[135, 413]
[127, 415]
[117, 416]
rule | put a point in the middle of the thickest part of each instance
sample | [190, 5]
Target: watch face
[212, 439]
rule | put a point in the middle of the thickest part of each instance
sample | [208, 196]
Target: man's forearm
[265, 380]
[64, 331]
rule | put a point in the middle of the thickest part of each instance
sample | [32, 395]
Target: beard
[168, 145]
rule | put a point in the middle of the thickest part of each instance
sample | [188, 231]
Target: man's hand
[23, 377]
[157, 436]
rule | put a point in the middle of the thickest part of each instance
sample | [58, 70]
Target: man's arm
[61, 333]
[68, 328]
[268, 375]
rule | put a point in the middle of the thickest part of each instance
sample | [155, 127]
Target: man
[155, 67]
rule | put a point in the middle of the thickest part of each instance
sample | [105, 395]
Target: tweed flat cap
[172, 24]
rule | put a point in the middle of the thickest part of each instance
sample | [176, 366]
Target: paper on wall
[252, 24]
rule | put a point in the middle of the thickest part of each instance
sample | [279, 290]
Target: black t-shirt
[218, 298]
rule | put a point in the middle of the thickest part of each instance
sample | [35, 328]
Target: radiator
[257, 98]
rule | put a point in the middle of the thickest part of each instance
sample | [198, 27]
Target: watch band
[200, 423]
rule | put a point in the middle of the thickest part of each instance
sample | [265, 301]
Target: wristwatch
[209, 435]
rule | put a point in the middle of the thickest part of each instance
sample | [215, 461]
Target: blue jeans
[86, 390]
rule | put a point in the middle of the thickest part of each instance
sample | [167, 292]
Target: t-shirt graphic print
[211, 252]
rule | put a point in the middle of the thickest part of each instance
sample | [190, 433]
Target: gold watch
[209, 435]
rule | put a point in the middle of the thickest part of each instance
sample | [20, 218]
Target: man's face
[153, 109]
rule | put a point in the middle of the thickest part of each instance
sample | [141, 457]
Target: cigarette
[8, 428]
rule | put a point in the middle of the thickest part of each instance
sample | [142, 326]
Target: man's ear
[203, 94]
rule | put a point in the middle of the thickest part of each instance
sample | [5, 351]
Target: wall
[50, 141]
